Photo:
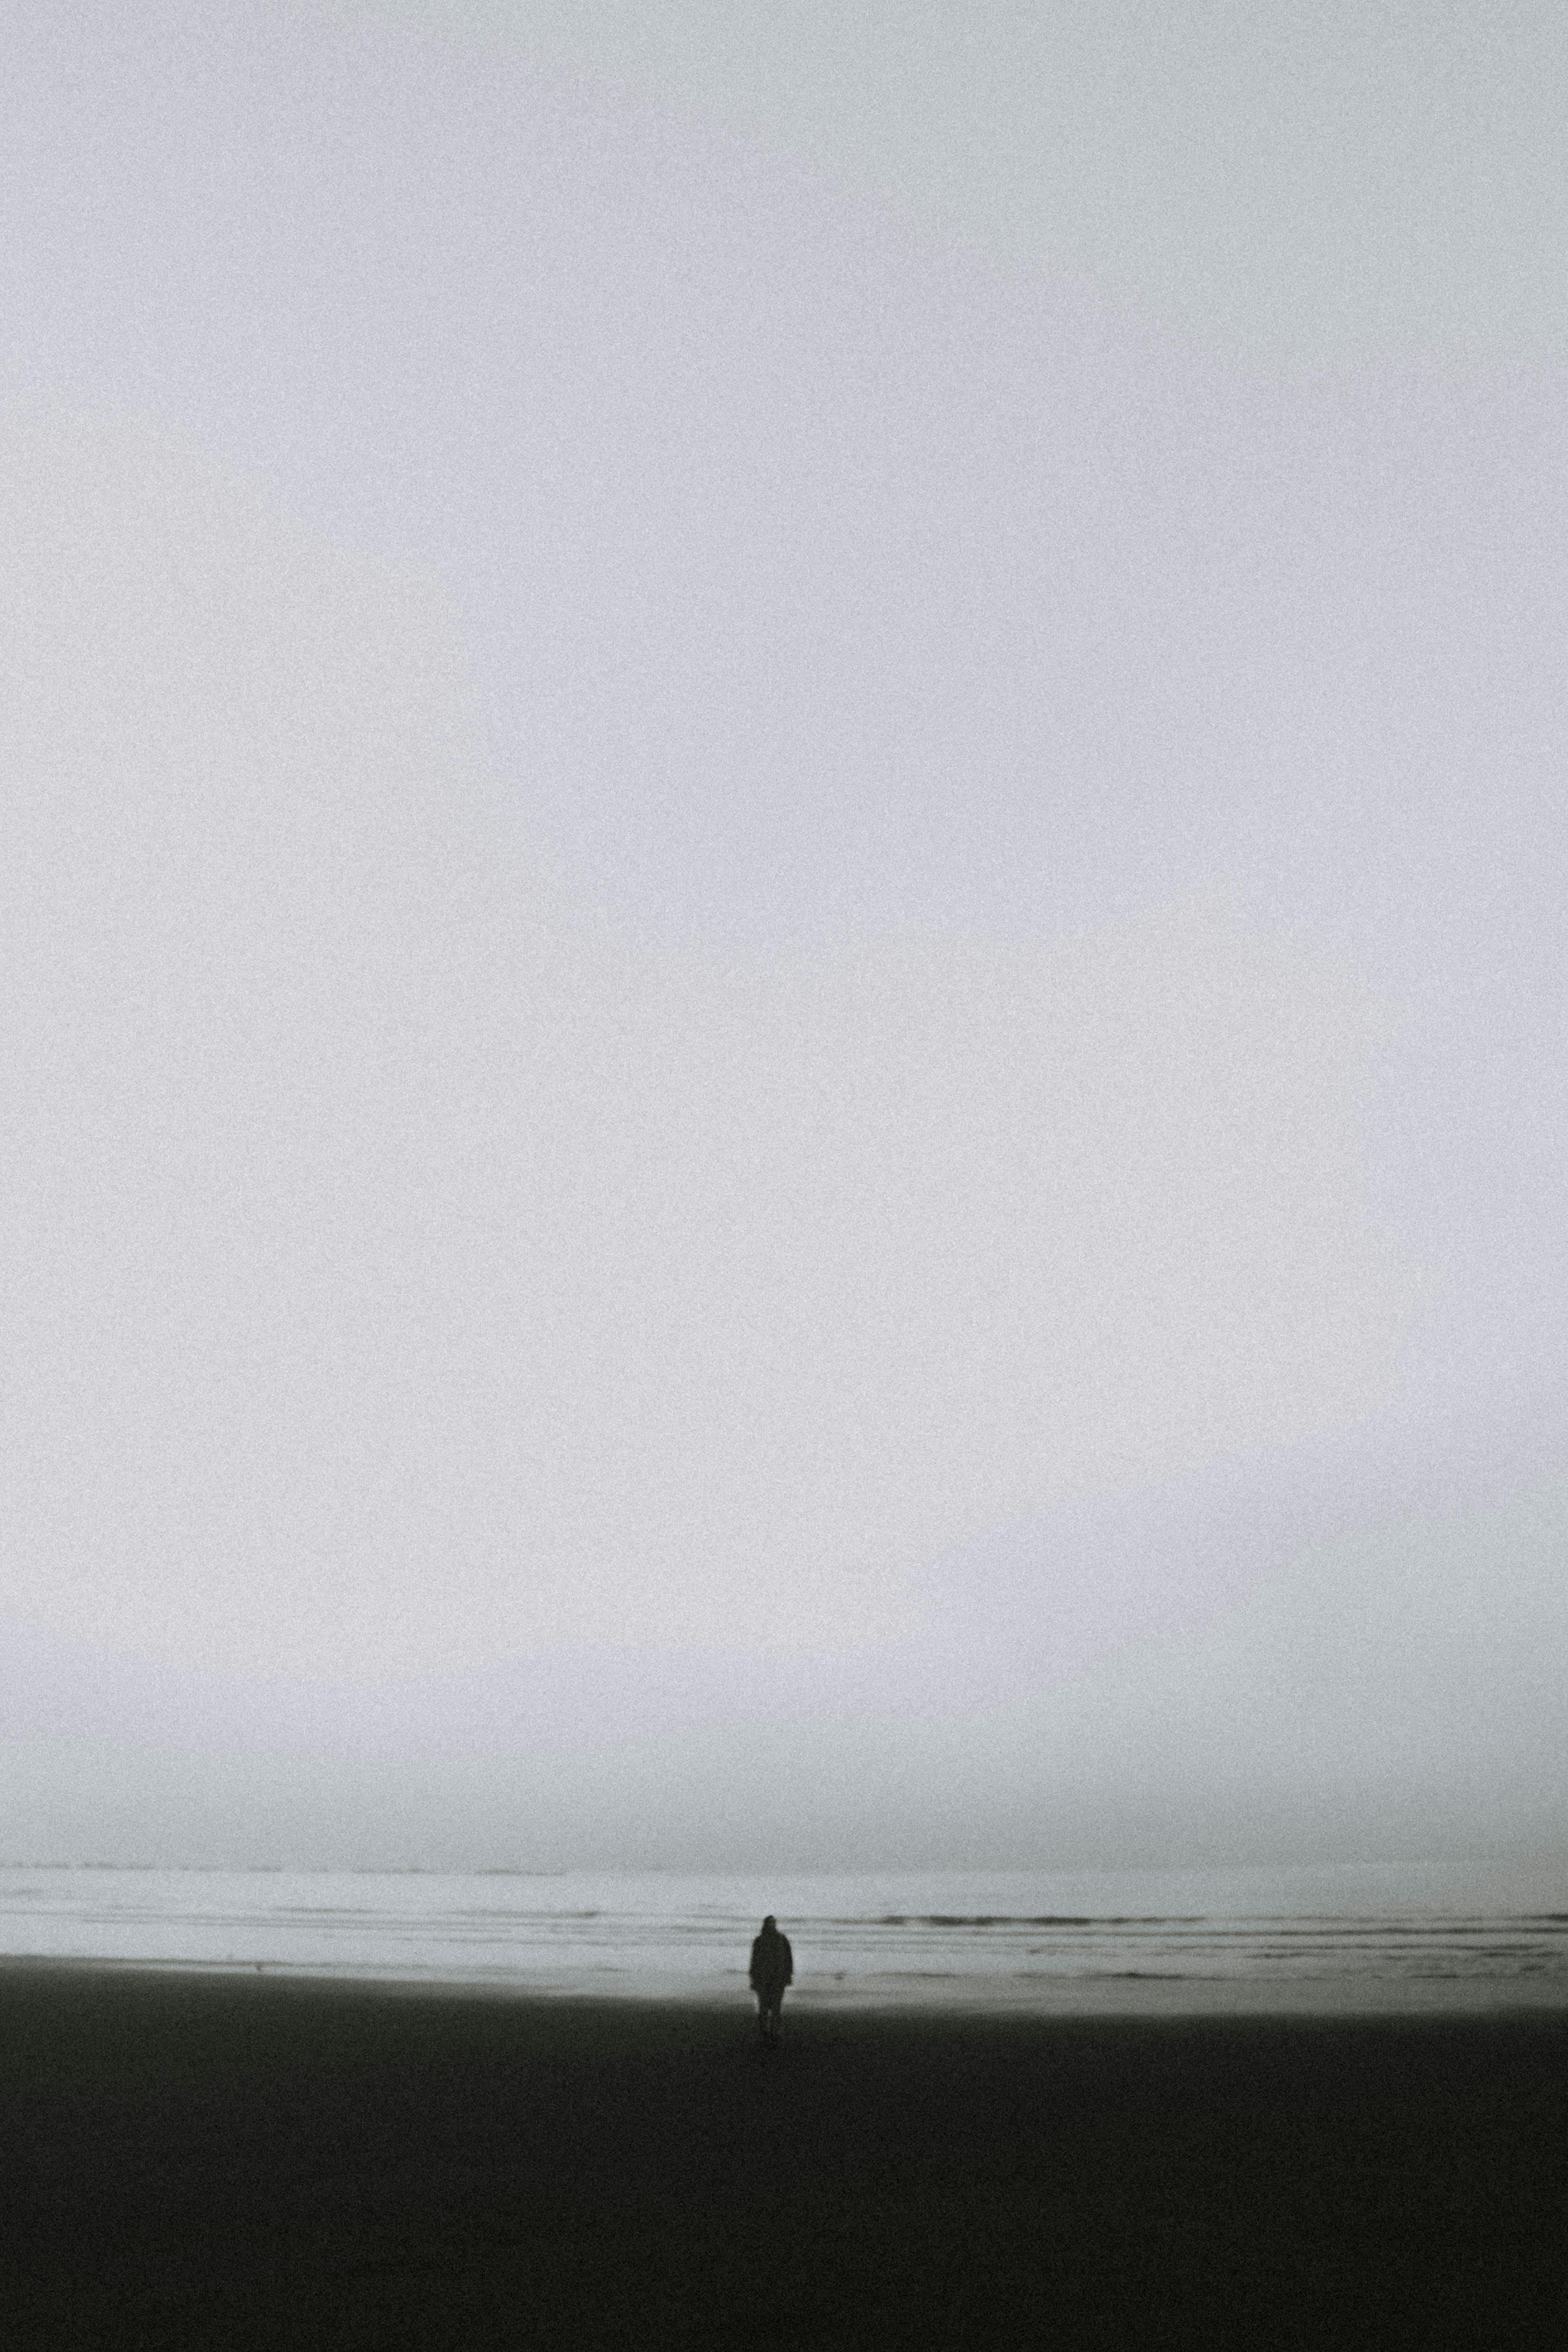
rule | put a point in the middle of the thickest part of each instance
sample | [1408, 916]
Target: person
[773, 1967]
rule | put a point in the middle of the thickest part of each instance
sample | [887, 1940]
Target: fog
[783, 985]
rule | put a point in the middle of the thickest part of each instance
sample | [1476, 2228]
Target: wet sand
[234, 2162]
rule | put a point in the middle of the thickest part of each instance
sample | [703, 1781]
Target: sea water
[1376, 1937]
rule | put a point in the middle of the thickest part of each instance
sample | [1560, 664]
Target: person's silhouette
[773, 1967]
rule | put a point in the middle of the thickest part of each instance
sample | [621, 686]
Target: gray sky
[783, 1001]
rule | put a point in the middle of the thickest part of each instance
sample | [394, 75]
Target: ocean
[1346, 1939]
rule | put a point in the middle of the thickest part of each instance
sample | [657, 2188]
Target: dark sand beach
[223, 2161]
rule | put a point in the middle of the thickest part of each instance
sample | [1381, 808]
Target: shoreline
[1049, 1995]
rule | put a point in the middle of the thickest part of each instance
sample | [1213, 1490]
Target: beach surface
[199, 2160]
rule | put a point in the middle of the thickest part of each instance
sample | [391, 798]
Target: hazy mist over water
[1348, 1940]
[781, 897]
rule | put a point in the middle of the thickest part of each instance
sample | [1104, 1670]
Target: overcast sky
[783, 828]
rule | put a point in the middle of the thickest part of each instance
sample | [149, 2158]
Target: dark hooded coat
[772, 1962]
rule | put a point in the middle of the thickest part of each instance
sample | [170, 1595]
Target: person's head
[769, 1925]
